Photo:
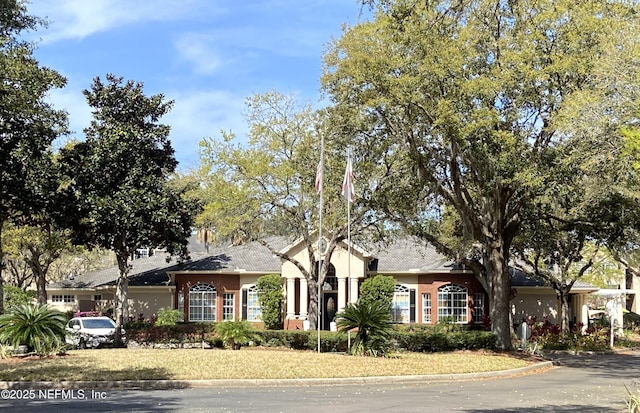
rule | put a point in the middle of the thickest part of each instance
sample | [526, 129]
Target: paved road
[579, 384]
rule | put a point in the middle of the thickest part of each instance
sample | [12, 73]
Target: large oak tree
[471, 97]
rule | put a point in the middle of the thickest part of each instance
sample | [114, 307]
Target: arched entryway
[329, 293]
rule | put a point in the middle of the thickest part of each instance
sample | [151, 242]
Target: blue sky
[207, 55]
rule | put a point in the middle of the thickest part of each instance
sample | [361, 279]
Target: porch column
[353, 290]
[304, 298]
[584, 317]
[291, 297]
[342, 293]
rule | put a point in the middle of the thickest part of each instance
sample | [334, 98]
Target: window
[478, 307]
[228, 306]
[330, 280]
[253, 305]
[452, 303]
[97, 297]
[63, 298]
[426, 307]
[141, 253]
[400, 304]
[202, 303]
[181, 302]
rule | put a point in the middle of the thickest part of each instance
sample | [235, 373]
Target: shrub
[372, 320]
[16, 296]
[431, 339]
[270, 299]
[549, 336]
[169, 317]
[293, 339]
[631, 320]
[147, 334]
[378, 289]
[40, 328]
[235, 334]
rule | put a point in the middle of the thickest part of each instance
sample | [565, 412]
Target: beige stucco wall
[144, 300]
[248, 280]
[537, 302]
[149, 301]
[339, 259]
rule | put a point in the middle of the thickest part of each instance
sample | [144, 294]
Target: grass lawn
[247, 363]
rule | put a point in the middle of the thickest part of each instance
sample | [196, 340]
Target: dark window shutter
[244, 303]
[412, 305]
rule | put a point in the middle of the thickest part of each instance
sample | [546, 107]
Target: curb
[221, 383]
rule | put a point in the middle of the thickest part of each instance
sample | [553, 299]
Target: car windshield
[98, 323]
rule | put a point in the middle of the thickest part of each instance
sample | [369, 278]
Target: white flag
[347, 183]
[319, 177]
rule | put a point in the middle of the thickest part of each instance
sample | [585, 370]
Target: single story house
[220, 284]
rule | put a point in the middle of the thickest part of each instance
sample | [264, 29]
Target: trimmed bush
[270, 299]
[180, 333]
[169, 317]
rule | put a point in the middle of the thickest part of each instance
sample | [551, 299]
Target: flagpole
[349, 223]
[320, 175]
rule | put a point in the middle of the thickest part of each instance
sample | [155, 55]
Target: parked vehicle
[91, 332]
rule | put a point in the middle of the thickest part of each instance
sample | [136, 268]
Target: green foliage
[476, 106]
[29, 123]
[115, 183]
[169, 317]
[372, 320]
[236, 333]
[38, 247]
[294, 339]
[631, 320]
[38, 327]
[146, 334]
[378, 289]
[549, 336]
[270, 298]
[432, 340]
[15, 297]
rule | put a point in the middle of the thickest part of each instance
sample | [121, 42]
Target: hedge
[417, 340]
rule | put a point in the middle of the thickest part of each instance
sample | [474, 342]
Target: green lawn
[248, 363]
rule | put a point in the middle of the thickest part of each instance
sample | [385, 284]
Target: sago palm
[372, 320]
[235, 334]
[40, 328]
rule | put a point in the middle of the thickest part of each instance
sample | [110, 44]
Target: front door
[329, 309]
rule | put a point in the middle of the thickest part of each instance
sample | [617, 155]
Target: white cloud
[200, 114]
[196, 48]
[77, 19]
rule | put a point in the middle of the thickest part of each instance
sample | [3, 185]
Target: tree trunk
[563, 298]
[312, 312]
[121, 304]
[500, 292]
[41, 287]
[2, 267]
[121, 297]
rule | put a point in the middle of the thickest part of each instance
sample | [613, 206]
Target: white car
[91, 332]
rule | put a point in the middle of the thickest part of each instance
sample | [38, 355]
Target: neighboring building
[221, 285]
